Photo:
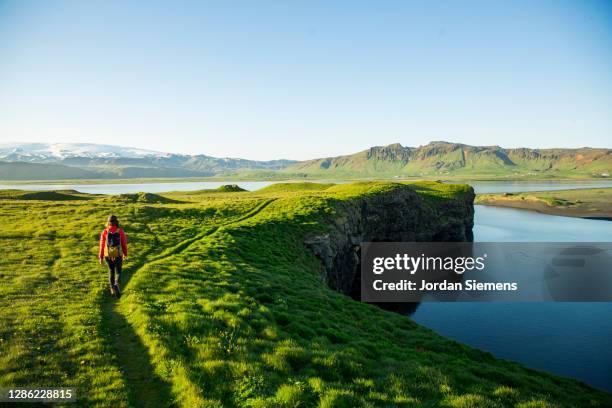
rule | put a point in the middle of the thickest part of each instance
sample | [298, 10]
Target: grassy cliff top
[224, 306]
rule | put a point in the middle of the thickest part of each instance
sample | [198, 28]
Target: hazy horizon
[304, 80]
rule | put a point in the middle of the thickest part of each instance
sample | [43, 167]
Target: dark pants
[114, 271]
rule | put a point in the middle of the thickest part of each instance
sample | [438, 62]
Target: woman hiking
[113, 249]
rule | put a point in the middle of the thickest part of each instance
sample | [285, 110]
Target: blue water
[570, 339]
[122, 188]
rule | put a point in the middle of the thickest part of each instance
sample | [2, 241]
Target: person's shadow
[144, 387]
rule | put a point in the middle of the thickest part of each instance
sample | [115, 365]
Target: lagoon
[160, 187]
[569, 339]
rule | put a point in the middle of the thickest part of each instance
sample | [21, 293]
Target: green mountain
[40, 171]
[53, 171]
[436, 159]
[454, 159]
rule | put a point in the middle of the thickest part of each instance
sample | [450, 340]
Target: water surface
[570, 339]
[159, 187]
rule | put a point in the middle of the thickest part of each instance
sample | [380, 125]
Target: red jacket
[121, 235]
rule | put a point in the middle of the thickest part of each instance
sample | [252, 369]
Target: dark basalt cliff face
[400, 215]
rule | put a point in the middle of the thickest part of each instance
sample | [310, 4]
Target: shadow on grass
[144, 387]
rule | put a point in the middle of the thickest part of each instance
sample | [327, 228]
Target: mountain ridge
[24, 161]
[436, 159]
[42, 151]
[445, 158]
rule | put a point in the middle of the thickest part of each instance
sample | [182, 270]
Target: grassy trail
[144, 387]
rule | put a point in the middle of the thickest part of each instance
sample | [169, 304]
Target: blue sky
[300, 80]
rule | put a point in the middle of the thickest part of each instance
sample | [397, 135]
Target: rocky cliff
[399, 215]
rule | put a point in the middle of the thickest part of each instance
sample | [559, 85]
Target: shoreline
[595, 204]
[548, 211]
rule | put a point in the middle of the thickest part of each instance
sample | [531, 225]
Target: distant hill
[454, 159]
[40, 161]
[38, 171]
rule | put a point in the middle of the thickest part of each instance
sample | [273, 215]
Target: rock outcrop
[400, 215]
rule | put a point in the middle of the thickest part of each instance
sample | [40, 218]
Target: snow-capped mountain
[59, 151]
[42, 161]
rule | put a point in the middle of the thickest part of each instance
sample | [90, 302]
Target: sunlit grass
[226, 307]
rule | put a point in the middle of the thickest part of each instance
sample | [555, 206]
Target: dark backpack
[113, 244]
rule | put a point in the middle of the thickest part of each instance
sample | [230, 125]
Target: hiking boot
[112, 290]
[117, 291]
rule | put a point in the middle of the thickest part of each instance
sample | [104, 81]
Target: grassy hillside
[38, 171]
[223, 306]
[13, 171]
[584, 203]
[459, 160]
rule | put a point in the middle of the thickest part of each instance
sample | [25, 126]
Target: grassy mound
[148, 198]
[230, 188]
[229, 309]
[51, 195]
[294, 187]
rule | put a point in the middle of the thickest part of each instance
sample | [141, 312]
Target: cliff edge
[407, 213]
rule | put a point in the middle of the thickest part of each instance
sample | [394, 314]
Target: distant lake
[123, 188]
[569, 339]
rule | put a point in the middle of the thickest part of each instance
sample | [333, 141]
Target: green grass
[224, 306]
[295, 187]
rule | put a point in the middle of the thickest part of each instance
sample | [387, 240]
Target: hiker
[113, 249]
